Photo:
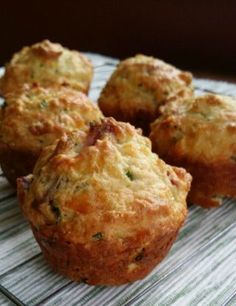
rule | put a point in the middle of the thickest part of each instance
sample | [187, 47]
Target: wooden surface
[199, 270]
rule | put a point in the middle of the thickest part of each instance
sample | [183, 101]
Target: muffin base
[211, 182]
[102, 262]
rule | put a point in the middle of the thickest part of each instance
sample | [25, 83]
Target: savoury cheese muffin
[201, 137]
[34, 118]
[47, 64]
[104, 208]
[138, 87]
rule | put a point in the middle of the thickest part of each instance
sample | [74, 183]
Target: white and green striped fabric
[199, 270]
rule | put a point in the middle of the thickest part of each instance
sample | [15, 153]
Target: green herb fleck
[56, 211]
[43, 104]
[218, 199]
[84, 280]
[130, 175]
[48, 241]
[177, 137]
[98, 236]
[36, 228]
[82, 186]
[140, 256]
[233, 158]
[204, 115]
[4, 105]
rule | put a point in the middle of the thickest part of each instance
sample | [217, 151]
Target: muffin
[34, 118]
[47, 64]
[138, 87]
[104, 208]
[201, 137]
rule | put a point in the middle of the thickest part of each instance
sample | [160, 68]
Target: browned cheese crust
[36, 117]
[138, 87]
[201, 137]
[47, 64]
[104, 208]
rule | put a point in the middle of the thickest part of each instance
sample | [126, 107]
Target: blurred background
[195, 35]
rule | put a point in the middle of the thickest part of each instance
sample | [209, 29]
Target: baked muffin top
[202, 129]
[35, 117]
[105, 183]
[47, 64]
[141, 84]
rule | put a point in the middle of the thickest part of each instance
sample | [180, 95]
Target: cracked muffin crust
[201, 137]
[47, 64]
[104, 209]
[139, 86]
[36, 117]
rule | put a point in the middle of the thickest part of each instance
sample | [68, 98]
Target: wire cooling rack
[200, 269]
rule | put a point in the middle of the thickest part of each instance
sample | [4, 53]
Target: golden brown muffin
[47, 64]
[139, 86]
[201, 137]
[35, 118]
[104, 208]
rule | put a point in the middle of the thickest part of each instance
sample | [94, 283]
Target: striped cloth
[200, 269]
